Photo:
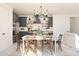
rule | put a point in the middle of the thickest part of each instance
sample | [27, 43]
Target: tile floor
[46, 52]
[65, 52]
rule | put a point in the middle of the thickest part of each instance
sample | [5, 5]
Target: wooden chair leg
[18, 46]
[59, 46]
[35, 46]
[42, 47]
[53, 45]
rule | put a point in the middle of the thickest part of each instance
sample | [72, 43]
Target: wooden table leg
[42, 46]
[51, 46]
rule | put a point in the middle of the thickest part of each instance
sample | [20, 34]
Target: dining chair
[58, 42]
[19, 41]
[47, 43]
[32, 44]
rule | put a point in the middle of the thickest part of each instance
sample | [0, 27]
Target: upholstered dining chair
[32, 44]
[47, 43]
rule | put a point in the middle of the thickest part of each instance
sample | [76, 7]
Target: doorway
[74, 25]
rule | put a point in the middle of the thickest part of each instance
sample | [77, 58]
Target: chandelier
[42, 12]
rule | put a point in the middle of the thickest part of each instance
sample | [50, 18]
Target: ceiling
[53, 8]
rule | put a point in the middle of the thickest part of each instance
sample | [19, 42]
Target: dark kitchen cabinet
[23, 21]
[50, 21]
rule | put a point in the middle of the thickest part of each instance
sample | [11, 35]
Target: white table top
[38, 37]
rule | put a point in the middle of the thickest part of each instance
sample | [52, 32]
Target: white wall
[5, 27]
[61, 24]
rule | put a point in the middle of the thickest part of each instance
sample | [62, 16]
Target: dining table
[38, 38]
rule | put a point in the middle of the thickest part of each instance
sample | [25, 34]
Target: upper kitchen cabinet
[50, 21]
[23, 21]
